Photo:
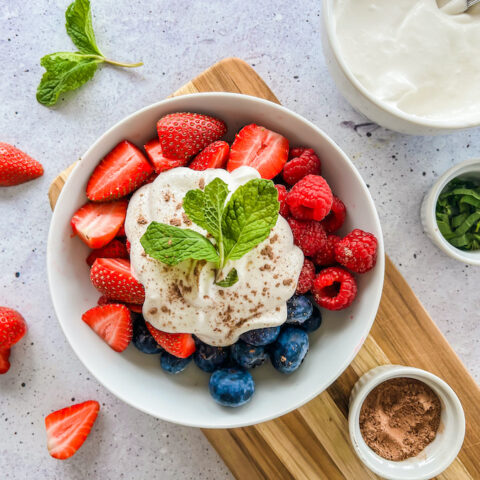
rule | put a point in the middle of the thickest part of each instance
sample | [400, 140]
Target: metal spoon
[455, 7]
[471, 3]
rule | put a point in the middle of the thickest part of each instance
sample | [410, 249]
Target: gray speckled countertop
[177, 40]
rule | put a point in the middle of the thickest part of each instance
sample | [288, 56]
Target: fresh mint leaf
[194, 205]
[229, 280]
[249, 216]
[64, 71]
[79, 27]
[172, 245]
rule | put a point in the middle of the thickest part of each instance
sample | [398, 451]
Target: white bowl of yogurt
[408, 65]
[137, 378]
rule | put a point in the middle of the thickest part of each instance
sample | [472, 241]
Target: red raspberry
[305, 164]
[357, 251]
[334, 288]
[310, 198]
[308, 235]
[296, 152]
[334, 220]
[306, 278]
[326, 256]
[282, 197]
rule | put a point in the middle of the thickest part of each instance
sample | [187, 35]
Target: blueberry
[209, 358]
[172, 364]
[231, 387]
[288, 352]
[142, 338]
[261, 336]
[299, 309]
[313, 323]
[248, 356]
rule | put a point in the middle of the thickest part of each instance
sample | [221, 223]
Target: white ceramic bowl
[363, 101]
[467, 169]
[438, 455]
[137, 378]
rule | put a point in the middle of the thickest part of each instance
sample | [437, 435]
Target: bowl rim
[429, 206]
[374, 377]
[380, 266]
[441, 125]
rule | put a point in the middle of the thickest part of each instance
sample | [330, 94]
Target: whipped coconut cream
[414, 54]
[184, 297]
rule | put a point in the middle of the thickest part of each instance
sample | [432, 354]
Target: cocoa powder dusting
[399, 418]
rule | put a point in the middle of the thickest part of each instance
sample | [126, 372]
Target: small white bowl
[438, 455]
[469, 168]
[363, 101]
[137, 378]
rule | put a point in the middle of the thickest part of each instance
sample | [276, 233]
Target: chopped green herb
[458, 213]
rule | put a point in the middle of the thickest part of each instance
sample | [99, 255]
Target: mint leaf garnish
[79, 27]
[69, 70]
[250, 214]
[172, 245]
[229, 280]
[237, 227]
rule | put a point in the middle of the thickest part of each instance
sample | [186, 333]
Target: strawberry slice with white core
[159, 160]
[120, 172]
[69, 427]
[260, 148]
[113, 323]
[180, 345]
[98, 223]
[113, 278]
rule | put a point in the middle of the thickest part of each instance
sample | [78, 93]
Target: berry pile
[315, 215]
[313, 212]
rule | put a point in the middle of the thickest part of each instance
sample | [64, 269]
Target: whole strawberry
[183, 135]
[357, 251]
[16, 166]
[12, 327]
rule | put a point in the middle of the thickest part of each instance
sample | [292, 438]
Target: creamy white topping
[184, 298]
[413, 55]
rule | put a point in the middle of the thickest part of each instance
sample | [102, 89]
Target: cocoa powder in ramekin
[399, 418]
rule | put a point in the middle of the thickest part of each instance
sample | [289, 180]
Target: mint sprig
[70, 70]
[236, 228]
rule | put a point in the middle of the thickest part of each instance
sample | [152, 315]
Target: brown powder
[399, 418]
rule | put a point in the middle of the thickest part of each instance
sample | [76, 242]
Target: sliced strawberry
[69, 427]
[4, 363]
[16, 166]
[160, 161]
[113, 323]
[259, 148]
[128, 247]
[114, 249]
[181, 345]
[183, 135]
[120, 172]
[98, 223]
[112, 277]
[121, 231]
[12, 327]
[213, 156]
[134, 307]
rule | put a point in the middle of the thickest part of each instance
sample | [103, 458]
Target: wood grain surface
[312, 442]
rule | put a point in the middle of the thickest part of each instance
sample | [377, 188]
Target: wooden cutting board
[312, 442]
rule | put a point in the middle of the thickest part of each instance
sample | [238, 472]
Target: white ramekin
[469, 168]
[438, 455]
[363, 101]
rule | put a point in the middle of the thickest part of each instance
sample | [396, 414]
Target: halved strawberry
[113, 323]
[213, 156]
[114, 249]
[16, 166]
[120, 172]
[12, 327]
[133, 307]
[4, 363]
[121, 231]
[181, 345]
[159, 160]
[183, 135]
[97, 223]
[260, 148]
[69, 427]
[112, 277]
